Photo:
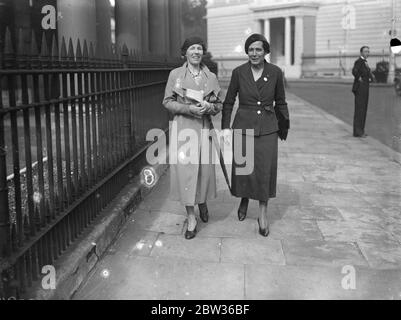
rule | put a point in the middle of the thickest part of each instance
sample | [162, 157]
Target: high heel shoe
[204, 213]
[263, 232]
[243, 208]
[191, 234]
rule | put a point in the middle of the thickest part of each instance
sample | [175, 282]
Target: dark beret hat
[257, 37]
[191, 41]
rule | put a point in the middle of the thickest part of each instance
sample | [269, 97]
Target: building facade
[308, 38]
[152, 26]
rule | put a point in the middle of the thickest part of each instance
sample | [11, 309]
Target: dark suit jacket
[256, 109]
[361, 73]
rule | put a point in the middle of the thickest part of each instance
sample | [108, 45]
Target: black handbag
[283, 124]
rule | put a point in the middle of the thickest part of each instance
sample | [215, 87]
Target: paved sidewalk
[338, 209]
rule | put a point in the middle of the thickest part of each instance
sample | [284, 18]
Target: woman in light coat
[193, 182]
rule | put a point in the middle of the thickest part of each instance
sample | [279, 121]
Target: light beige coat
[192, 183]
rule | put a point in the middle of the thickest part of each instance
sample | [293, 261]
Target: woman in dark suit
[263, 108]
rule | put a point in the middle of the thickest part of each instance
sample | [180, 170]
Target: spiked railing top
[44, 53]
[63, 54]
[125, 55]
[70, 54]
[55, 58]
[33, 51]
[22, 58]
[8, 54]
[78, 55]
[85, 55]
[27, 54]
[91, 55]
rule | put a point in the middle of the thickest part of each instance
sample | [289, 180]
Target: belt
[268, 107]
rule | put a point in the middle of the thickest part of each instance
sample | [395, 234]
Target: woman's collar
[265, 63]
[203, 68]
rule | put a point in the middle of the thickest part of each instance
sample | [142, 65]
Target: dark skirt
[261, 183]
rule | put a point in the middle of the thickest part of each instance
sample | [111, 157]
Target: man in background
[363, 77]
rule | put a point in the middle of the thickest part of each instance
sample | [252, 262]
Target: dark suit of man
[363, 76]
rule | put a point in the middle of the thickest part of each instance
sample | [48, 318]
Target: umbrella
[216, 143]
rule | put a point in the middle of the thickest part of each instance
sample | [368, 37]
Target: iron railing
[71, 124]
[337, 65]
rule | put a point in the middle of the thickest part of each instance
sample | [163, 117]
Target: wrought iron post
[5, 240]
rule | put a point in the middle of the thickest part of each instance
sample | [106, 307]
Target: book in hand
[195, 95]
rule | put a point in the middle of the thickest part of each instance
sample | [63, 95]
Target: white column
[299, 39]
[77, 20]
[287, 40]
[103, 25]
[257, 26]
[128, 23]
[267, 29]
[267, 35]
[159, 31]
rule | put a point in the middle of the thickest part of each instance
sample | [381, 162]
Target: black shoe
[204, 213]
[361, 136]
[243, 208]
[191, 234]
[263, 232]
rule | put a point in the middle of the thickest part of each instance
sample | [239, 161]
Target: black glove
[284, 126]
[283, 134]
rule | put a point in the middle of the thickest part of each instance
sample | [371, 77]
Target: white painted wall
[227, 25]
[373, 21]
[228, 28]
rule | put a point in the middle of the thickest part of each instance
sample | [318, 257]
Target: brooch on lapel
[266, 78]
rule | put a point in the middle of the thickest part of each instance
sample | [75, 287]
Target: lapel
[251, 80]
[365, 64]
[187, 80]
[265, 78]
[212, 85]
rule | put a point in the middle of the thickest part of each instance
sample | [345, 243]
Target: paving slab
[311, 213]
[323, 253]
[352, 231]
[383, 199]
[343, 200]
[202, 249]
[160, 278]
[133, 241]
[381, 188]
[252, 251]
[159, 221]
[373, 216]
[336, 188]
[320, 283]
[229, 228]
[382, 255]
[295, 229]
